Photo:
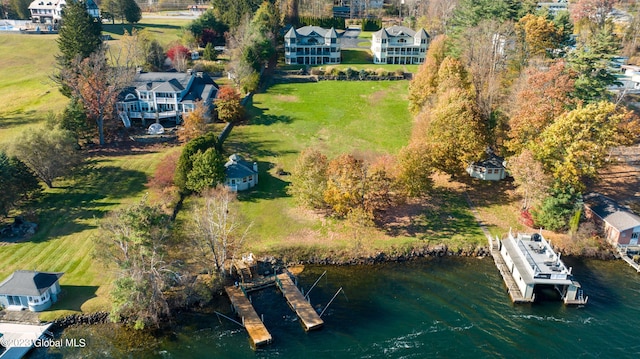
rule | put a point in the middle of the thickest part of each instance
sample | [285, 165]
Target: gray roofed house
[399, 45]
[25, 289]
[240, 174]
[311, 45]
[165, 95]
[620, 225]
[491, 168]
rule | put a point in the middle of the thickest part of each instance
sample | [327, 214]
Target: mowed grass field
[365, 118]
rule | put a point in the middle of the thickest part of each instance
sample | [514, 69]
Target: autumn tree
[194, 123]
[135, 239]
[345, 184]
[228, 105]
[541, 95]
[425, 83]
[218, 228]
[19, 184]
[595, 11]
[414, 170]
[538, 35]
[96, 85]
[178, 54]
[49, 152]
[453, 130]
[309, 179]
[575, 146]
[532, 183]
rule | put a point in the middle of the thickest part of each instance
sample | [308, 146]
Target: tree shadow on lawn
[440, 217]
[16, 118]
[269, 186]
[118, 29]
[251, 147]
[487, 193]
[74, 296]
[259, 117]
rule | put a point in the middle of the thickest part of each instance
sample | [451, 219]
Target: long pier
[250, 319]
[308, 316]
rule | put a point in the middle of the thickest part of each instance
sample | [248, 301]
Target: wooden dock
[512, 287]
[250, 319]
[308, 316]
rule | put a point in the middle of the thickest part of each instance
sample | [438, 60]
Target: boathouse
[533, 265]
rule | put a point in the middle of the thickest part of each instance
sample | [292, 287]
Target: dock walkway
[512, 287]
[250, 319]
[308, 316]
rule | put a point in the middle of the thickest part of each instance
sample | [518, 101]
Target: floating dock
[528, 263]
[308, 316]
[250, 319]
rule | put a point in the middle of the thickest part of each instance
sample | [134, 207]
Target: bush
[317, 71]
[400, 72]
[371, 24]
[636, 258]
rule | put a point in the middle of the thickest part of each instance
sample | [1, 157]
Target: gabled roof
[382, 33]
[491, 161]
[29, 283]
[331, 33]
[422, 34]
[310, 30]
[611, 212]
[237, 167]
[291, 34]
[396, 30]
[161, 81]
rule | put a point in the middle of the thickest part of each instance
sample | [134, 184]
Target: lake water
[448, 308]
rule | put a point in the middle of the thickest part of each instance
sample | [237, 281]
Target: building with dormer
[50, 11]
[311, 45]
[399, 45]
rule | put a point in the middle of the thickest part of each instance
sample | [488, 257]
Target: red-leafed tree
[594, 10]
[541, 96]
[178, 55]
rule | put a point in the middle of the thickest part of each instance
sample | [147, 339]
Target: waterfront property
[529, 263]
[240, 175]
[308, 317]
[621, 227]
[489, 169]
[399, 45]
[165, 95]
[32, 290]
[311, 45]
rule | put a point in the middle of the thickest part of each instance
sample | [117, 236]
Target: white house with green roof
[32, 290]
[311, 45]
[399, 45]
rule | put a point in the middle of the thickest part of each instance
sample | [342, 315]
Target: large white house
[311, 45]
[50, 11]
[27, 289]
[165, 95]
[399, 45]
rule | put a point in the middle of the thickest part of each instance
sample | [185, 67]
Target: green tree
[575, 146]
[21, 7]
[49, 152]
[185, 162]
[591, 61]
[231, 12]
[79, 34]
[207, 170]
[557, 209]
[18, 183]
[74, 119]
[209, 53]
[155, 55]
[131, 11]
[207, 29]
[309, 179]
[135, 240]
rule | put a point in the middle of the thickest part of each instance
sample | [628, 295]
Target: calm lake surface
[448, 308]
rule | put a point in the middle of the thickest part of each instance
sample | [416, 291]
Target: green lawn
[68, 217]
[165, 31]
[26, 90]
[365, 118]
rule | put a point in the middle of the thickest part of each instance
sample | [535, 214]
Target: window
[402, 41]
[244, 179]
[635, 235]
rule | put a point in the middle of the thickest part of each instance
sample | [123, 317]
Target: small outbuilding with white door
[26, 289]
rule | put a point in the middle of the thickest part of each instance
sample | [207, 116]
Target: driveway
[349, 39]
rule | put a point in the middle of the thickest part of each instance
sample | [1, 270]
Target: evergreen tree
[591, 61]
[21, 7]
[17, 181]
[79, 35]
[131, 11]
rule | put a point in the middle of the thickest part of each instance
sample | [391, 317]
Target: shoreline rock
[80, 319]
